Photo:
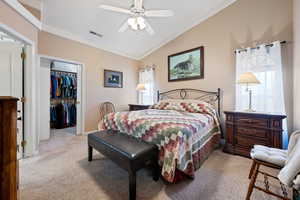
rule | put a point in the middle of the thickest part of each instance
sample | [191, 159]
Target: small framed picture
[113, 79]
[186, 65]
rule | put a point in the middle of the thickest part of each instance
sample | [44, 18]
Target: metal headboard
[186, 93]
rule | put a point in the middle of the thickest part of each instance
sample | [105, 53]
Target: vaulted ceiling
[74, 19]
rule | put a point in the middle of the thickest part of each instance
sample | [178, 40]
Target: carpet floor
[61, 172]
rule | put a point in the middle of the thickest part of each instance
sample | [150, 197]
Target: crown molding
[37, 4]
[78, 38]
[17, 6]
[211, 13]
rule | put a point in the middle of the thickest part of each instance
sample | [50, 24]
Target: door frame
[30, 148]
[83, 92]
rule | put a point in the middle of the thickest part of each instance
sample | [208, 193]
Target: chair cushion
[268, 154]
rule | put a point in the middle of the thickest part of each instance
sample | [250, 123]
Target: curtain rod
[268, 45]
[148, 67]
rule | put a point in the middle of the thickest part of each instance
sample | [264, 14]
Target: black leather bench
[129, 153]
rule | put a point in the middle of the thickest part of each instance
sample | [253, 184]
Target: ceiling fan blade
[149, 28]
[124, 27]
[138, 4]
[116, 9]
[159, 13]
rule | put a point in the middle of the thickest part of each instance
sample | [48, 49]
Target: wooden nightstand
[133, 107]
[244, 129]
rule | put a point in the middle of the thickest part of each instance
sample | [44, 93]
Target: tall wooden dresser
[8, 148]
[245, 129]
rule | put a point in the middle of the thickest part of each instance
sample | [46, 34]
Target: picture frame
[186, 65]
[113, 79]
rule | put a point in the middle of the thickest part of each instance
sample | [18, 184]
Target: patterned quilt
[177, 132]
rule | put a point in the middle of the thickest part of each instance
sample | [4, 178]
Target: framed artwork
[113, 79]
[186, 65]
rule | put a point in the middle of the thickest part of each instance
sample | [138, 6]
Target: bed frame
[186, 93]
[211, 97]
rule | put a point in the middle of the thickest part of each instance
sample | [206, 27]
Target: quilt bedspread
[177, 134]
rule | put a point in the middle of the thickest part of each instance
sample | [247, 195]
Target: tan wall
[95, 61]
[240, 25]
[297, 64]
[35, 12]
[11, 18]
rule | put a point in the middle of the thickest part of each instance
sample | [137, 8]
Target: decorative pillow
[192, 107]
[185, 106]
[196, 101]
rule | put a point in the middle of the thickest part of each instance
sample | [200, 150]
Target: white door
[79, 103]
[11, 81]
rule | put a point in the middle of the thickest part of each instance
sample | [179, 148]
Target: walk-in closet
[60, 98]
[63, 93]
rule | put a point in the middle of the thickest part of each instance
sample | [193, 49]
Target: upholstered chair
[283, 160]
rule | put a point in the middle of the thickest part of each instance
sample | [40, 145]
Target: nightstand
[133, 107]
[245, 129]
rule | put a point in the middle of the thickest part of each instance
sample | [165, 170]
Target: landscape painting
[113, 79]
[186, 65]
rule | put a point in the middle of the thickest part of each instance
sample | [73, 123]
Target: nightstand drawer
[248, 142]
[261, 133]
[253, 122]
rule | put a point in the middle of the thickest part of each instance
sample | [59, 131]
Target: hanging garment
[63, 115]
[63, 85]
[60, 119]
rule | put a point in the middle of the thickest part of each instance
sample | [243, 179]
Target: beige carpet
[62, 172]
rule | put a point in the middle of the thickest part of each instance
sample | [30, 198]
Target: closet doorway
[61, 110]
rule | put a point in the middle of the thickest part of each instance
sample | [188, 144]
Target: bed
[184, 124]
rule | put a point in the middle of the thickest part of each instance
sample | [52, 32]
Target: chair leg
[156, 171]
[252, 169]
[90, 156]
[132, 185]
[252, 182]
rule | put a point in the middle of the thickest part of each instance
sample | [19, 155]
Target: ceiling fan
[138, 13]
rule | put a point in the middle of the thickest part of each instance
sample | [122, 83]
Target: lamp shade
[248, 78]
[140, 87]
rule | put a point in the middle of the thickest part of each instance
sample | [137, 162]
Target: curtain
[265, 62]
[146, 77]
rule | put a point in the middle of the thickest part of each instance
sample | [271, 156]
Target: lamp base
[249, 110]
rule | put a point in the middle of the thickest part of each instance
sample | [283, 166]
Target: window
[146, 77]
[265, 62]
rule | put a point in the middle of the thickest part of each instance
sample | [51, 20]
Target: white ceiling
[75, 18]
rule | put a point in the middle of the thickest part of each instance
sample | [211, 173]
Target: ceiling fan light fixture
[132, 22]
[141, 23]
[137, 23]
[138, 16]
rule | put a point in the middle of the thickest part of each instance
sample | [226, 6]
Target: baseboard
[89, 132]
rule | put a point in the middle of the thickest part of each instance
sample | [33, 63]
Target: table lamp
[141, 87]
[247, 79]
